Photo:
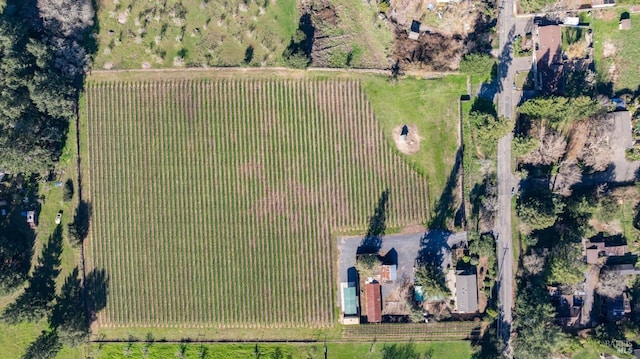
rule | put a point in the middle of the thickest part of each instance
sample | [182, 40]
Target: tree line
[44, 54]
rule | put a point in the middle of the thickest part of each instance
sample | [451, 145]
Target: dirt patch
[578, 139]
[612, 227]
[609, 49]
[415, 228]
[607, 15]
[432, 50]
[407, 139]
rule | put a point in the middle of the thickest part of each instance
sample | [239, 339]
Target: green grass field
[440, 350]
[432, 105]
[626, 49]
[214, 200]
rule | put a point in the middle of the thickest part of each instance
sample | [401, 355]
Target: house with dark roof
[548, 58]
[601, 246]
[616, 308]
[569, 310]
[466, 292]
[374, 302]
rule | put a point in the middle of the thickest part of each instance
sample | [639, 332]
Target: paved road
[506, 181]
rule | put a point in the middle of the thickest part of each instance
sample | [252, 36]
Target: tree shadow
[47, 345]
[96, 292]
[16, 251]
[35, 302]
[79, 227]
[372, 241]
[70, 322]
[444, 209]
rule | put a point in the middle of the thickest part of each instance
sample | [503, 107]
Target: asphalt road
[506, 180]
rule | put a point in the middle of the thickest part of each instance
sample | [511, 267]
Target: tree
[68, 315]
[477, 64]
[611, 283]
[565, 264]
[368, 265]
[523, 145]
[538, 208]
[79, 227]
[536, 336]
[534, 263]
[66, 17]
[488, 129]
[560, 111]
[430, 277]
[67, 191]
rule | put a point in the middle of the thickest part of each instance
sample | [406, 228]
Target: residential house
[569, 310]
[617, 308]
[374, 302]
[624, 269]
[466, 292]
[604, 247]
[547, 60]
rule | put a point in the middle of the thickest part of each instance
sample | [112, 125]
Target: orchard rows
[214, 201]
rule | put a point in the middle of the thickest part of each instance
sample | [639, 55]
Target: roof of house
[617, 307]
[415, 26]
[625, 269]
[466, 293]
[592, 255]
[550, 46]
[625, 24]
[569, 307]
[374, 302]
[349, 297]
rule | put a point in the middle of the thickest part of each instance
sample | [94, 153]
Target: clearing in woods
[214, 199]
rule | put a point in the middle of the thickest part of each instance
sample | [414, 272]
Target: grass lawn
[441, 350]
[432, 105]
[626, 48]
[14, 339]
[523, 80]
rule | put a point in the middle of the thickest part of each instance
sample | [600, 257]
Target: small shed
[414, 32]
[388, 272]
[374, 302]
[571, 20]
[466, 292]
[31, 219]
[624, 24]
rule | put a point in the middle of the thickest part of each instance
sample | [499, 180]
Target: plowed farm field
[214, 201]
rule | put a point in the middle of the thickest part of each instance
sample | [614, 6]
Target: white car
[59, 217]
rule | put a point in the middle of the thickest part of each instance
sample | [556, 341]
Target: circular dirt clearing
[407, 139]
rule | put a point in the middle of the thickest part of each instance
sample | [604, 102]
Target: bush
[477, 64]
[67, 192]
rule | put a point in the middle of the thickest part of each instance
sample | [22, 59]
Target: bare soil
[412, 143]
[577, 140]
[432, 51]
[609, 49]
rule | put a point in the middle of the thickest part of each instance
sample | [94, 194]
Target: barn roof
[374, 302]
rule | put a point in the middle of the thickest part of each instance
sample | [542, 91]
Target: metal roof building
[349, 301]
[374, 302]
